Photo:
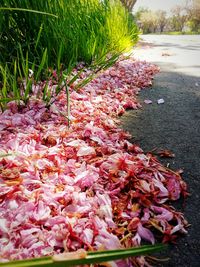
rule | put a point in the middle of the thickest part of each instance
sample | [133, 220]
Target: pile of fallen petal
[86, 186]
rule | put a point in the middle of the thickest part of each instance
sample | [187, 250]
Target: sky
[158, 4]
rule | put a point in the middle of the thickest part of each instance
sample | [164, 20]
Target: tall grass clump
[61, 32]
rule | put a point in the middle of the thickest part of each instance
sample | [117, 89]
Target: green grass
[84, 30]
[58, 34]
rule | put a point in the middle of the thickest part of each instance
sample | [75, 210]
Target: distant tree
[141, 10]
[161, 19]
[193, 11]
[179, 18]
[148, 21]
[129, 4]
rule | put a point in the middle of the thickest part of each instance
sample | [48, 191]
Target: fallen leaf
[166, 54]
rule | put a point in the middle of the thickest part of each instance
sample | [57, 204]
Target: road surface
[174, 125]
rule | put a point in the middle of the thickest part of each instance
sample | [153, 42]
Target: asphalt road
[174, 125]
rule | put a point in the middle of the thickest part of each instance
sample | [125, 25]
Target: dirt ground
[173, 125]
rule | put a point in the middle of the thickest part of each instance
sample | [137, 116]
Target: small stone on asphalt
[161, 101]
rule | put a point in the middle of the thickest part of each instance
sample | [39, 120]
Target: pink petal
[3, 226]
[148, 101]
[85, 151]
[42, 212]
[145, 233]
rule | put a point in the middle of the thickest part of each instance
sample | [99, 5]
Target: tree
[161, 19]
[193, 11]
[129, 4]
[147, 21]
[179, 18]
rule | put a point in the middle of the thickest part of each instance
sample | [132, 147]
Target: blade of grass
[64, 260]
[28, 10]
[15, 89]
[42, 64]
[7, 99]
[39, 35]
[3, 71]
[29, 82]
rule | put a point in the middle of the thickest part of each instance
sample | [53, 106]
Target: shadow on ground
[172, 45]
[174, 125]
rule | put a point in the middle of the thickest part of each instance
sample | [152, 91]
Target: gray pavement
[174, 125]
[180, 53]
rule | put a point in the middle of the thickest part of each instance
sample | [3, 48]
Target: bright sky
[158, 4]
